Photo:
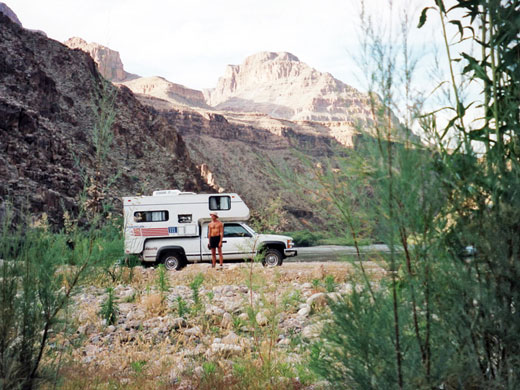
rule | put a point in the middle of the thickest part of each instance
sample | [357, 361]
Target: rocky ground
[180, 329]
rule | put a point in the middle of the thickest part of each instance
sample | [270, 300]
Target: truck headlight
[289, 244]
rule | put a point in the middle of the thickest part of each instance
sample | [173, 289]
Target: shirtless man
[215, 235]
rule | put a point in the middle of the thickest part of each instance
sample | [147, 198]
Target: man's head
[213, 215]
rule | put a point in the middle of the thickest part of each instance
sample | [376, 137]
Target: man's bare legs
[221, 258]
[214, 257]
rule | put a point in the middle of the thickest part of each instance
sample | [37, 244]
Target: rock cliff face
[164, 89]
[4, 9]
[108, 60]
[234, 152]
[281, 86]
[48, 108]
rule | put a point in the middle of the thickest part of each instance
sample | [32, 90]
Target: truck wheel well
[274, 245]
[163, 252]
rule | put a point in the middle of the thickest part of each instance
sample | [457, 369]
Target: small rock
[304, 311]
[312, 331]
[284, 342]
[345, 288]
[231, 338]
[224, 349]
[198, 371]
[86, 329]
[261, 319]
[134, 324]
[315, 297]
[195, 331]
[233, 305]
[176, 323]
[214, 310]
[292, 324]
[335, 296]
[110, 329]
[227, 320]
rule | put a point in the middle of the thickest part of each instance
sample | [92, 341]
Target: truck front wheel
[172, 261]
[272, 258]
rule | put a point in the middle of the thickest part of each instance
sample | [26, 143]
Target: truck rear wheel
[172, 261]
[272, 258]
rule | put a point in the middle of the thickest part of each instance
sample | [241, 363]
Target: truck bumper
[290, 252]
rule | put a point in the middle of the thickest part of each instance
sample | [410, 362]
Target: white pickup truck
[171, 227]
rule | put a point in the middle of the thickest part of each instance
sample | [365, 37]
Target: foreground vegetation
[435, 318]
[201, 328]
[441, 319]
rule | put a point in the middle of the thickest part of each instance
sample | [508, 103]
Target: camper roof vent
[171, 192]
[166, 192]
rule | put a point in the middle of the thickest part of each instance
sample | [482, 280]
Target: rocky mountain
[161, 88]
[108, 60]
[4, 9]
[51, 100]
[281, 86]
[276, 84]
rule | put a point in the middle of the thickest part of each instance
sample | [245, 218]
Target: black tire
[272, 258]
[172, 261]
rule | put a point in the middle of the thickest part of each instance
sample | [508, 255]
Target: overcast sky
[191, 41]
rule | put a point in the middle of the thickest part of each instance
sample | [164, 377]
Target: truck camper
[171, 227]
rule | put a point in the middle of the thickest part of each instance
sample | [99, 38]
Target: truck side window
[151, 216]
[185, 218]
[235, 230]
[219, 202]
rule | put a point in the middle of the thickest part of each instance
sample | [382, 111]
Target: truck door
[237, 243]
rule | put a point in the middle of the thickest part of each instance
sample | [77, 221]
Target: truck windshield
[249, 228]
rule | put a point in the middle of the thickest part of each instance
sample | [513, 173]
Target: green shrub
[36, 282]
[305, 238]
[182, 307]
[195, 285]
[109, 308]
[163, 283]
[330, 284]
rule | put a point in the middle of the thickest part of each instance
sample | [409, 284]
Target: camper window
[185, 218]
[151, 216]
[219, 202]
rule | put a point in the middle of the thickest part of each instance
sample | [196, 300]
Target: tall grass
[441, 319]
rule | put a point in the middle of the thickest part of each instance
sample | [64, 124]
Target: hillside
[47, 95]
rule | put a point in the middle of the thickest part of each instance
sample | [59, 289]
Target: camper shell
[171, 222]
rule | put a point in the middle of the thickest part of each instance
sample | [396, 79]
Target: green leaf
[461, 110]
[422, 18]
[440, 4]
[478, 135]
[474, 66]
[459, 25]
